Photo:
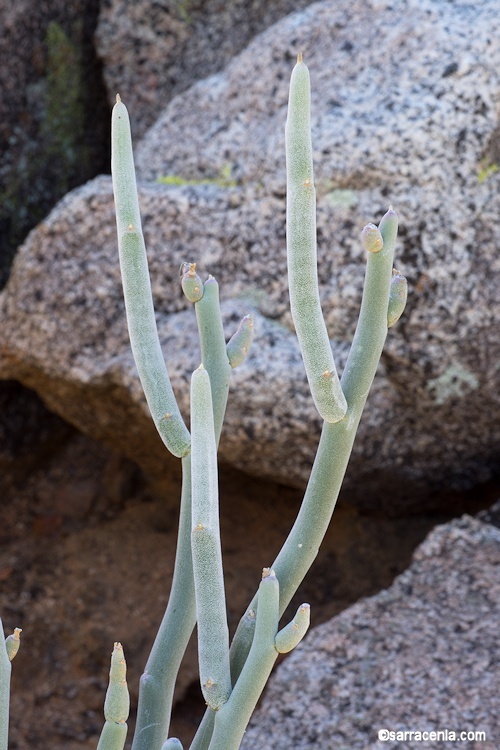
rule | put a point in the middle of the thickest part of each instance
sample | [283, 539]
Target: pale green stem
[231, 720]
[204, 732]
[213, 349]
[141, 320]
[241, 645]
[215, 360]
[113, 736]
[5, 673]
[157, 684]
[305, 302]
[213, 633]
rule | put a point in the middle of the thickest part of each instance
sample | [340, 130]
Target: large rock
[51, 89]
[402, 113]
[152, 51]
[420, 656]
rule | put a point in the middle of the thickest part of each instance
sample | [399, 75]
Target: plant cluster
[233, 675]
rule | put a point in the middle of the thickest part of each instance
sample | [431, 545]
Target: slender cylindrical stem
[213, 349]
[157, 684]
[371, 330]
[231, 720]
[301, 254]
[213, 633]
[123, 171]
[112, 736]
[5, 673]
[241, 645]
[204, 732]
[215, 360]
[156, 689]
[141, 320]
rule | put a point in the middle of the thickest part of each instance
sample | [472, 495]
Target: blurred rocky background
[406, 101]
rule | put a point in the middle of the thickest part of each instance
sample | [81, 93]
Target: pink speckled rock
[403, 112]
[422, 655]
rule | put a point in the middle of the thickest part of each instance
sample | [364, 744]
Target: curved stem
[157, 684]
[302, 261]
[335, 445]
[141, 320]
